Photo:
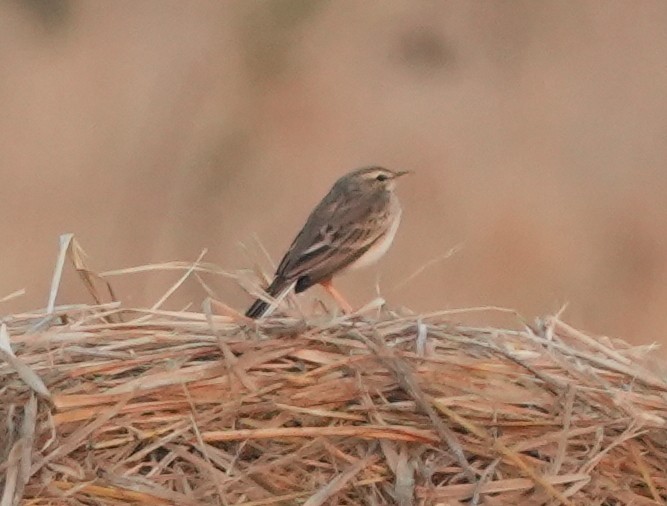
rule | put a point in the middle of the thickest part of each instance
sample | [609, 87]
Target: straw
[106, 404]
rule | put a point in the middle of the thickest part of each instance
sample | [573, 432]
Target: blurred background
[158, 128]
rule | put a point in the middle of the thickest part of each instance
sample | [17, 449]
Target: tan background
[154, 129]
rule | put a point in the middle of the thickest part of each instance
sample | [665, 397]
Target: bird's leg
[340, 300]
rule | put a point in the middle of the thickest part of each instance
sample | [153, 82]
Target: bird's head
[373, 178]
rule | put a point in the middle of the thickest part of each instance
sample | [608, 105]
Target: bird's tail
[259, 307]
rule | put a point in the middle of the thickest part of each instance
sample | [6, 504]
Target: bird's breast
[377, 250]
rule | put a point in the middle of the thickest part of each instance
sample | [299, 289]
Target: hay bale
[101, 405]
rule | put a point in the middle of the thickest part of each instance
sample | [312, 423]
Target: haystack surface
[101, 405]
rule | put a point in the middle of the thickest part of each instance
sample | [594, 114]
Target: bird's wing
[338, 231]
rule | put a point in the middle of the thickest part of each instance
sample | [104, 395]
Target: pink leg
[336, 295]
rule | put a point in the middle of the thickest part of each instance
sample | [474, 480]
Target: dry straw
[101, 404]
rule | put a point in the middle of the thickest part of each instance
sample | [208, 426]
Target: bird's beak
[402, 173]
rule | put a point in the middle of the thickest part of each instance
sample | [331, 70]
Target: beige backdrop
[154, 129]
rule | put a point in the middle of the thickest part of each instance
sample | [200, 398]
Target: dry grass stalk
[105, 405]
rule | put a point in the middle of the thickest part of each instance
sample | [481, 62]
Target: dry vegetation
[101, 404]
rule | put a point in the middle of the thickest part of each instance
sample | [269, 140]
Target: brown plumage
[353, 226]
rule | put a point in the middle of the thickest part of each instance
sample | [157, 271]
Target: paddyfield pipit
[352, 227]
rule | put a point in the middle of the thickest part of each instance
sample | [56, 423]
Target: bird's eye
[381, 177]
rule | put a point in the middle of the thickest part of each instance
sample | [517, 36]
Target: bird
[353, 226]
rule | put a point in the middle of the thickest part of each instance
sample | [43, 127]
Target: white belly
[380, 248]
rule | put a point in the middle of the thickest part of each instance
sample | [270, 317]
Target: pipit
[352, 227]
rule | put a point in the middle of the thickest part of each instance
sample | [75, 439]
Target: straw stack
[101, 405]
[181, 408]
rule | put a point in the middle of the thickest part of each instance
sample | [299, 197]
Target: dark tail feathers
[259, 307]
